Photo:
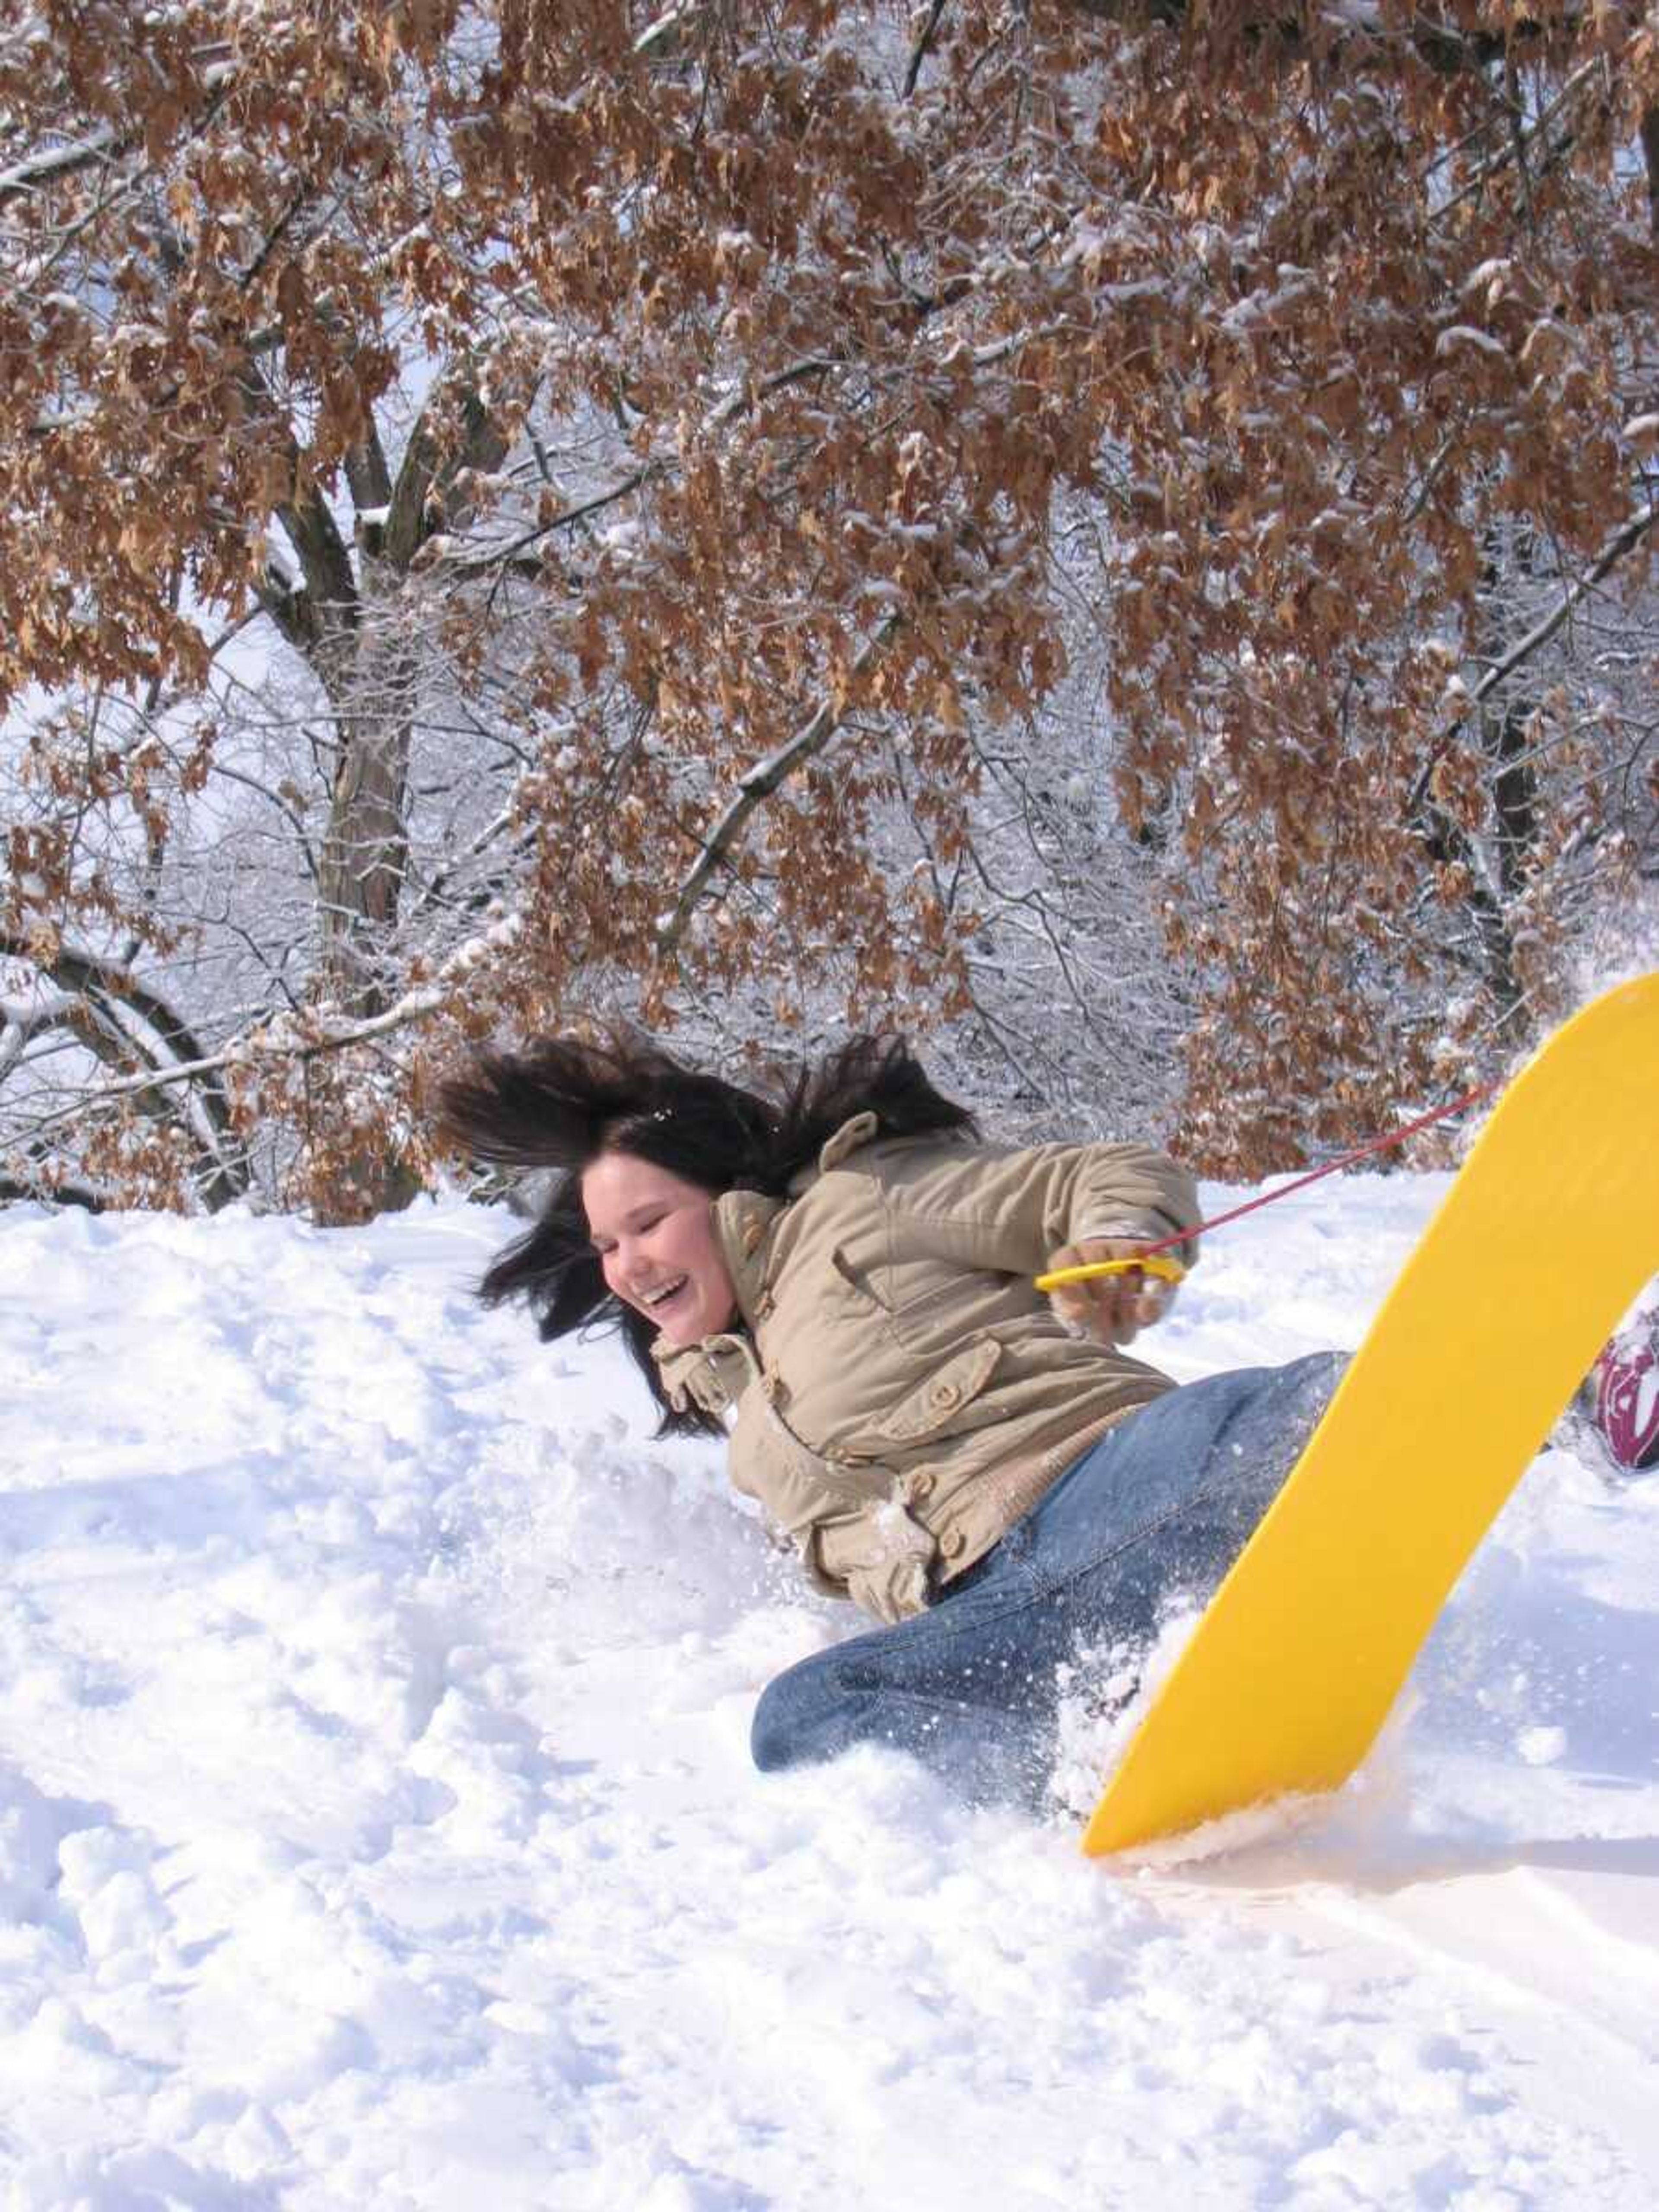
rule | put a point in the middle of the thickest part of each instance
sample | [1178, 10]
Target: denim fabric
[1161, 1506]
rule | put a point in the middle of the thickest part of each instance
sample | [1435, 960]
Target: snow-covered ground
[377, 1828]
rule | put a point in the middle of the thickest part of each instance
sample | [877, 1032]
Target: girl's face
[655, 1238]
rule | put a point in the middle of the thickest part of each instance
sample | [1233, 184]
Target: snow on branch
[736, 403]
[306, 1036]
[55, 162]
[37, 169]
[1623, 541]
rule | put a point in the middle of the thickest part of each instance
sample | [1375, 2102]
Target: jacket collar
[862, 1129]
[713, 1370]
[746, 1224]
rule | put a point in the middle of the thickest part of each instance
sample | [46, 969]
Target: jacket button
[920, 1485]
[945, 1394]
[751, 1237]
[954, 1544]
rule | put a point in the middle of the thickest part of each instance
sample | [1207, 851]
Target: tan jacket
[902, 1394]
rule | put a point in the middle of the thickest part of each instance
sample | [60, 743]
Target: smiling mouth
[651, 1299]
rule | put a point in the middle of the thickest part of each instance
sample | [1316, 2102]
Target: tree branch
[758, 785]
[1623, 541]
[67, 1194]
[37, 169]
[96, 991]
[367, 471]
[307, 1037]
[1441, 43]
[428, 469]
[331, 581]
[105, 988]
[922, 48]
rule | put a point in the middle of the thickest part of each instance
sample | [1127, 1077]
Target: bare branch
[922, 48]
[758, 785]
[423, 499]
[1623, 541]
[312, 1034]
[59, 161]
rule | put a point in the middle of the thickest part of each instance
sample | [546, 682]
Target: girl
[841, 1274]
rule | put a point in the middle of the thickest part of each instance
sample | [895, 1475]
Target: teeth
[656, 1297]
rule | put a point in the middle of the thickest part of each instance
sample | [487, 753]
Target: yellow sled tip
[1166, 1271]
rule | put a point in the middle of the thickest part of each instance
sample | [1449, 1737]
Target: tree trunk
[365, 852]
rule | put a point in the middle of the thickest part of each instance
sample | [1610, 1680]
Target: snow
[1489, 277]
[1260, 308]
[1464, 334]
[377, 1828]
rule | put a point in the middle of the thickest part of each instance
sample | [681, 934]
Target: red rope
[1346, 1160]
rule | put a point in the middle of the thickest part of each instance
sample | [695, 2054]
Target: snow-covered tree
[772, 513]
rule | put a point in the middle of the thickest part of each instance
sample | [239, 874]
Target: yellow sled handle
[1167, 1271]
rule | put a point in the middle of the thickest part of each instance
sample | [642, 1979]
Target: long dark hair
[561, 1103]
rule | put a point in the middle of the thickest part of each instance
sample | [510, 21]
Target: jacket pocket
[933, 1404]
[853, 1289]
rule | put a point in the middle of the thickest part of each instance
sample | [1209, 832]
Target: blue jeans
[1163, 1504]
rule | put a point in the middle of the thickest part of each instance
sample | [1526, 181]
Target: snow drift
[377, 1828]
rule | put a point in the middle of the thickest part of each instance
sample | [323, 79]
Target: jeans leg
[954, 1687]
[1163, 1503]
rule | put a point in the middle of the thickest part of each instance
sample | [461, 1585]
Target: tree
[719, 444]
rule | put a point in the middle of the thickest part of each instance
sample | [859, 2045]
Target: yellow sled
[1547, 1235]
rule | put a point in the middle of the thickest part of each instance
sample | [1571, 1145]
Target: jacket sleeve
[984, 1207]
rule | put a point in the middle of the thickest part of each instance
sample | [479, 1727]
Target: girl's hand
[1111, 1308]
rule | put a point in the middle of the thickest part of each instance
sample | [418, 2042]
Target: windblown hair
[561, 1103]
